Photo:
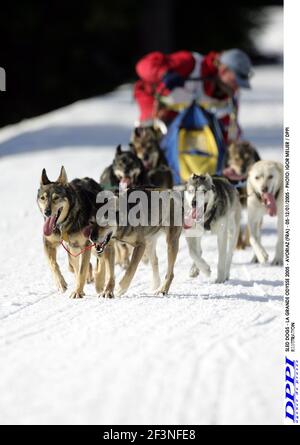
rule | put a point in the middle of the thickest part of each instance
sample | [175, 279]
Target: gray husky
[143, 239]
[219, 213]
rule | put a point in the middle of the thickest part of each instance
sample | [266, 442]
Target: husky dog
[220, 212]
[240, 157]
[145, 144]
[68, 208]
[142, 238]
[265, 196]
[126, 171]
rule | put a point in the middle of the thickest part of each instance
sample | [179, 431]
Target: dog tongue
[270, 203]
[49, 225]
[190, 218]
[125, 183]
[231, 174]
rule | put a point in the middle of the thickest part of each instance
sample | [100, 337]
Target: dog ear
[158, 132]
[231, 147]
[131, 147]
[62, 179]
[44, 178]
[256, 156]
[209, 181]
[138, 131]
[279, 167]
[119, 149]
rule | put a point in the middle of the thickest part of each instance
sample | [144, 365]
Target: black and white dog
[219, 212]
[126, 171]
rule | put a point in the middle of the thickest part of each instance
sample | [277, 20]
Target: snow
[205, 354]
[269, 39]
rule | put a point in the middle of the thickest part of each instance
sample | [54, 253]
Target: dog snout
[146, 157]
[264, 189]
[47, 212]
[194, 203]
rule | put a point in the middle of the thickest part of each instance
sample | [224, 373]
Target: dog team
[70, 212]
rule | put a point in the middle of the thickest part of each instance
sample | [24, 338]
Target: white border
[292, 120]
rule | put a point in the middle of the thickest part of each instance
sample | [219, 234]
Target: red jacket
[151, 69]
[153, 66]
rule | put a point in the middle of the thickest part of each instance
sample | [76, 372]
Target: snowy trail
[206, 354]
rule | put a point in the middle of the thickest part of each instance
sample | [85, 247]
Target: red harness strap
[77, 254]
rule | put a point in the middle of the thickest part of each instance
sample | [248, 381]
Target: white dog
[219, 212]
[265, 196]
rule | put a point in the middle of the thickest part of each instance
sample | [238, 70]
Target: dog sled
[194, 144]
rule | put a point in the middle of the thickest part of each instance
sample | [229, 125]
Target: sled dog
[145, 144]
[68, 208]
[265, 196]
[143, 239]
[219, 212]
[239, 158]
[126, 171]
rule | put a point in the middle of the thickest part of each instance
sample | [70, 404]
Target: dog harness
[66, 238]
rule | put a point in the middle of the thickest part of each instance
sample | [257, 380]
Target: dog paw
[77, 294]
[107, 294]
[277, 262]
[263, 258]
[241, 245]
[194, 271]
[161, 292]
[206, 271]
[220, 280]
[120, 291]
